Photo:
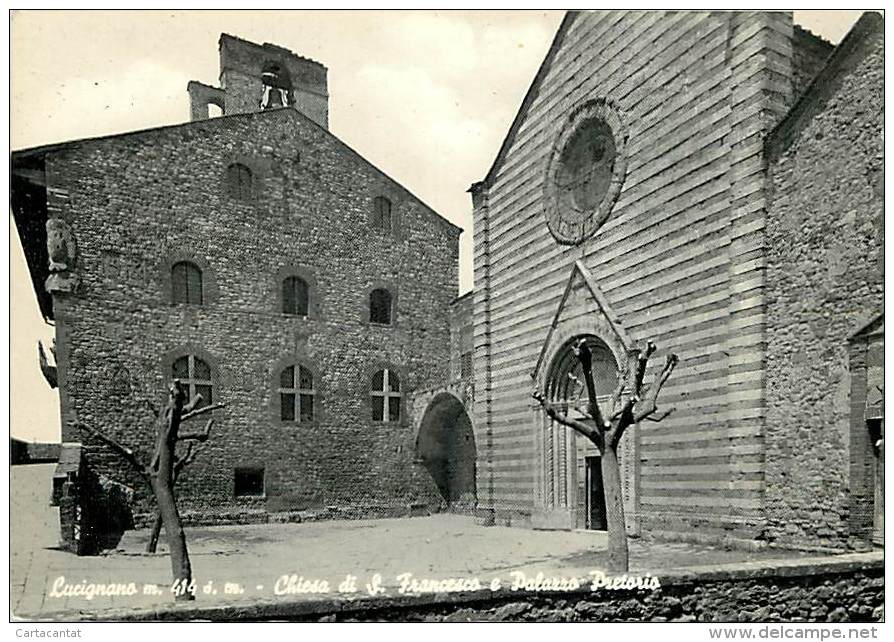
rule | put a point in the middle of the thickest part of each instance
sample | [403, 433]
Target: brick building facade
[710, 181]
[263, 262]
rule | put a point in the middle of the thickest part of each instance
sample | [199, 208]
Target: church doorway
[596, 517]
[575, 465]
[446, 447]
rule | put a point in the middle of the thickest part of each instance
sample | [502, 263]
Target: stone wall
[816, 590]
[824, 281]
[139, 201]
[242, 63]
[843, 598]
[810, 53]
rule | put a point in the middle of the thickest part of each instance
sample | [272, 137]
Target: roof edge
[18, 155]
[813, 99]
[531, 94]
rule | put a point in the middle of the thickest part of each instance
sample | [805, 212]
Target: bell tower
[255, 77]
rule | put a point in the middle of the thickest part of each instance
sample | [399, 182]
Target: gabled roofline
[844, 58]
[607, 311]
[533, 89]
[818, 41]
[44, 149]
[52, 147]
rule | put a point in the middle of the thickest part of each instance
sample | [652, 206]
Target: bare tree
[163, 468]
[181, 463]
[630, 404]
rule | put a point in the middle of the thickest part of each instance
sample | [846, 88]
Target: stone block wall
[139, 201]
[678, 259]
[842, 598]
[815, 590]
[242, 63]
[824, 280]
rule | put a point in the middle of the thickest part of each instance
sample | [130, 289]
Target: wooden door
[596, 519]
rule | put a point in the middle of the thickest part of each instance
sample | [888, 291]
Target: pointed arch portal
[446, 447]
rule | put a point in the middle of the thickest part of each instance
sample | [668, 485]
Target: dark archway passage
[446, 447]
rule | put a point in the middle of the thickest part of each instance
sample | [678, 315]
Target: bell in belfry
[274, 98]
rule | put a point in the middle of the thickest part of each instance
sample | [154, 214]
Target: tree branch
[193, 404]
[122, 450]
[661, 417]
[585, 356]
[650, 403]
[642, 362]
[185, 460]
[198, 436]
[152, 407]
[623, 381]
[201, 411]
[578, 426]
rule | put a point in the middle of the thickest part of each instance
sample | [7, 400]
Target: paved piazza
[256, 557]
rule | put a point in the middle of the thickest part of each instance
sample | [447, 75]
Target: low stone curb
[317, 607]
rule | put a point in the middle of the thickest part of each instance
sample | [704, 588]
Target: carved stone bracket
[62, 252]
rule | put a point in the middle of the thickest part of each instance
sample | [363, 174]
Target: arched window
[296, 394]
[380, 306]
[195, 377]
[239, 181]
[382, 213]
[186, 283]
[295, 296]
[566, 380]
[385, 393]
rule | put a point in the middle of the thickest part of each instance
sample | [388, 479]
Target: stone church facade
[267, 265]
[710, 181]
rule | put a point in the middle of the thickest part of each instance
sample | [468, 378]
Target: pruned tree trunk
[161, 474]
[162, 477]
[618, 557]
[179, 465]
[630, 404]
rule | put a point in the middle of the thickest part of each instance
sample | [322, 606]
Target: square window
[248, 482]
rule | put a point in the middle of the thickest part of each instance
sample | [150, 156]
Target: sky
[427, 96]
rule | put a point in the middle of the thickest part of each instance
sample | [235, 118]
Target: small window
[195, 377]
[382, 213]
[380, 306]
[186, 283]
[239, 182]
[295, 298]
[248, 482]
[296, 394]
[385, 393]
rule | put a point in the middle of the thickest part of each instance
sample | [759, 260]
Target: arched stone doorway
[445, 445]
[572, 465]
